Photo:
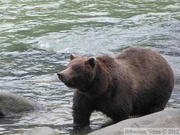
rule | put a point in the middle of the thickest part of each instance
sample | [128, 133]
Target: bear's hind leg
[119, 118]
[119, 115]
[155, 108]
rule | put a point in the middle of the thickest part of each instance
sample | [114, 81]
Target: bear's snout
[65, 78]
[61, 76]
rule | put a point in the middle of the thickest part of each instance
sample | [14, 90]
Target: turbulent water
[37, 37]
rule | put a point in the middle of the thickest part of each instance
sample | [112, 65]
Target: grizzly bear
[137, 81]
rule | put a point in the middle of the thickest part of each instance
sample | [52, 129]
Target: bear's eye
[77, 68]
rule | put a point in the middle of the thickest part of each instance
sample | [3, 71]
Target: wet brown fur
[135, 82]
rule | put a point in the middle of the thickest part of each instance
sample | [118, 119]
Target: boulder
[41, 131]
[12, 104]
[160, 121]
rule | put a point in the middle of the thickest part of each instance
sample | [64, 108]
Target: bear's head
[79, 73]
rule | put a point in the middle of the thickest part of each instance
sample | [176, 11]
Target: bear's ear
[73, 56]
[92, 61]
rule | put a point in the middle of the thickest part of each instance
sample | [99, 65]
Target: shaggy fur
[135, 82]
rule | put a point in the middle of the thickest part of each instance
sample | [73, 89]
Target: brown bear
[137, 81]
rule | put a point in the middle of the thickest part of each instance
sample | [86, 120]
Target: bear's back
[151, 77]
[145, 66]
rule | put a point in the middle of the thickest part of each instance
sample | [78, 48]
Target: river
[37, 37]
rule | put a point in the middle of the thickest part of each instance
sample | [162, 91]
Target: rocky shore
[159, 121]
[15, 105]
[163, 121]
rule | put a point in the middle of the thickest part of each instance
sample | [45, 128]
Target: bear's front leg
[82, 109]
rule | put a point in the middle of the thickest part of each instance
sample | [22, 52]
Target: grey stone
[41, 131]
[12, 104]
[163, 119]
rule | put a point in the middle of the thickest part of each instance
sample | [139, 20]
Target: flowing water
[37, 37]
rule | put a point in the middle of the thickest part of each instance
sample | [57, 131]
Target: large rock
[12, 104]
[41, 131]
[159, 120]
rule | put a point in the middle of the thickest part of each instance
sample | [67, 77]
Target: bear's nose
[60, 76]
